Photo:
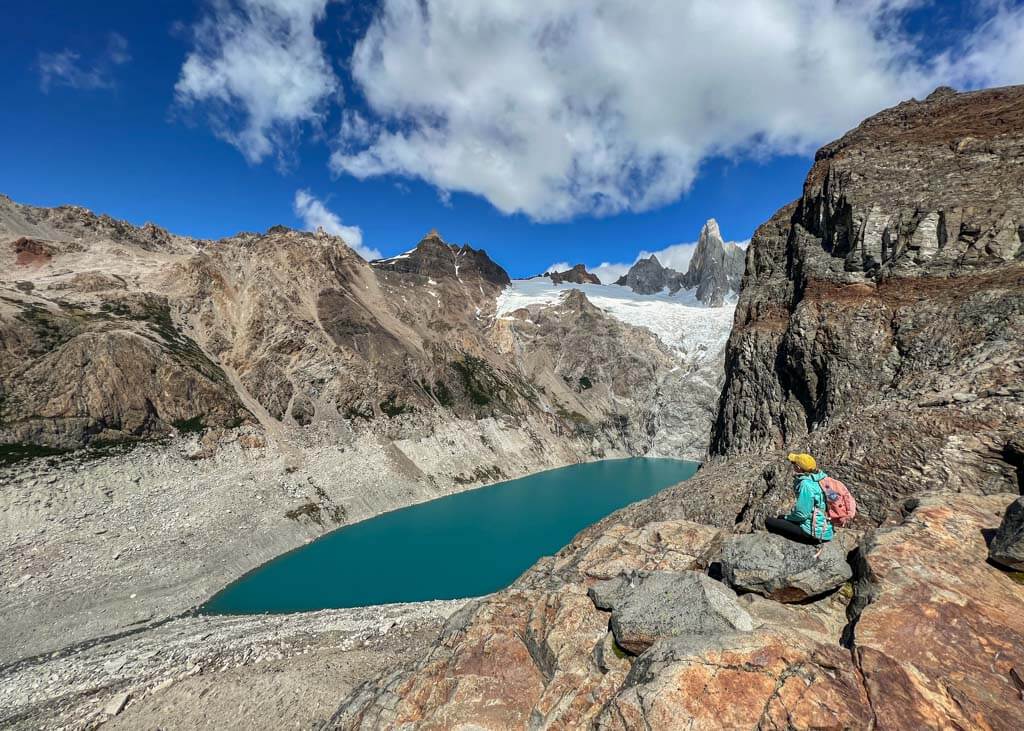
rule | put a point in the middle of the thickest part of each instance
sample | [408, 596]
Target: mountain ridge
[233, 399]
[714, 271]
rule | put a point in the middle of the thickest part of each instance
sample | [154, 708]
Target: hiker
[808, 522]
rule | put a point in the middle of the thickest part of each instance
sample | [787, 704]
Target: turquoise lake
[462, 545]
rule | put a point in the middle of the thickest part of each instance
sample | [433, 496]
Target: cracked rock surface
[661, 605]
[782, 569]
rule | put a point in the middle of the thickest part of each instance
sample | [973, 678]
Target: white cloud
[65, 68]
[562, 108]
[562, 266]
[259, 70]
[994, 53]
[315, 214]
[602, 107]
[609, 273]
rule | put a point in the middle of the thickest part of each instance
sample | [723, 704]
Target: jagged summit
[76, 226]
[715, 270]
[433, 257]
[577, 275]
[648, 276]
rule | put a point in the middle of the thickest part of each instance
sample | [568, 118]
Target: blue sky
[581, 132]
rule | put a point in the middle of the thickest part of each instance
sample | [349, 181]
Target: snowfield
[680, 321]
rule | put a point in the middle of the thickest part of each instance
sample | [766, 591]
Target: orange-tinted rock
[677, 545]
[942, 629]
[522, 657]
[742, 681]
[937, 633]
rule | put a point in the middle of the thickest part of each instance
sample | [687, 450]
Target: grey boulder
[664, 604]
[781, 569]
[1007, 548]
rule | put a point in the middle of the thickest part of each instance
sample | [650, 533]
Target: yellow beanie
[803, 461]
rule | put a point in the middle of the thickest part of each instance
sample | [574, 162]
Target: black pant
[787, 529]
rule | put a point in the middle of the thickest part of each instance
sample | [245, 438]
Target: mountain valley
[175, 412]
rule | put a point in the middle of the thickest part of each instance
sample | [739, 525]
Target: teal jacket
[811, 510]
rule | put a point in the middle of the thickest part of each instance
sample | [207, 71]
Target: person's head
[802, 463]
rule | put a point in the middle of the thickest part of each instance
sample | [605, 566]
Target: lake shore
[101, 546]
[219, 672]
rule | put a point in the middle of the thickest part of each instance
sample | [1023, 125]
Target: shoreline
[198, 610]
[129, 540]
[199, 669]
[129, 546]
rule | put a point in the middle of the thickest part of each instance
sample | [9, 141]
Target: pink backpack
[841, 506]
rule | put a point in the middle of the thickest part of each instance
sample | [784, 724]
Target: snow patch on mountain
[680, 320]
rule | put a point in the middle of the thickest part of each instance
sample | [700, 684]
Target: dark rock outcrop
[781, 569]
[1007, 548]
[435, 258]
[648, 276]
[577, 275]
[869, 334]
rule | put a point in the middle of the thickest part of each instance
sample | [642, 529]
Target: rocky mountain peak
[648, 276]
[577, 275]
[710, 230]
[435, 258]
[715, 269]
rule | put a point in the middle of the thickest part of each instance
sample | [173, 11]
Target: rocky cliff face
[884, 306]
[879, 327]
[716, 268]
[714, 272]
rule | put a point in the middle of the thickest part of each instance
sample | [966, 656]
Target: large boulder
[666, 604]
[1007, 547]
[781, 569]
